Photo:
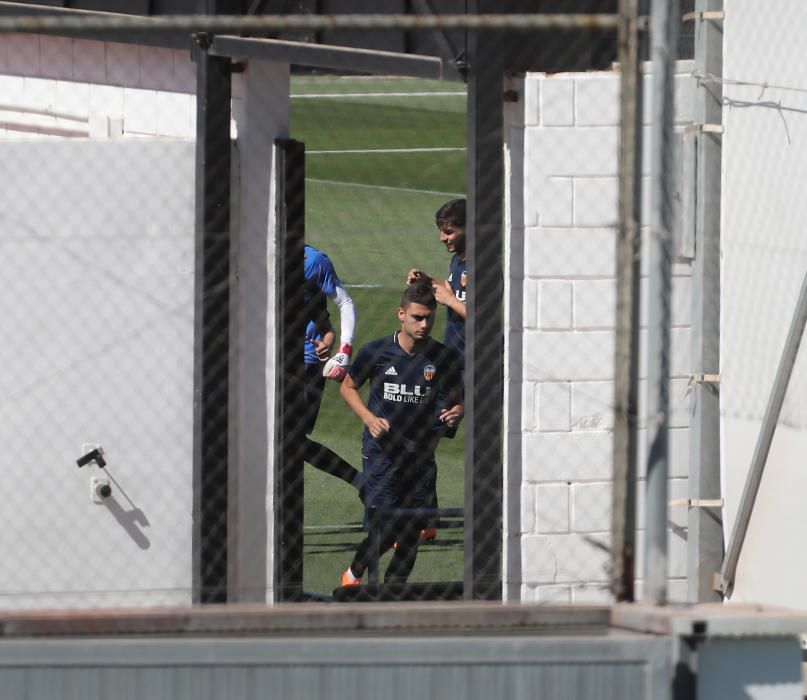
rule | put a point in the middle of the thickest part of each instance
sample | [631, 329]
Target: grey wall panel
[379, 668]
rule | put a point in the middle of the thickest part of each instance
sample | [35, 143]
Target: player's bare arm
[350, 393]
[445, 296]
[443, 292]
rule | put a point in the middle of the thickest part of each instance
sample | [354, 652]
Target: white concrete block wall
[55, 86]
[561, 257]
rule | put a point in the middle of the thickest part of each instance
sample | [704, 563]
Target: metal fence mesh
[133, 328]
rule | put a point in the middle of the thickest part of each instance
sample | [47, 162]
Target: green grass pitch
[372, 187]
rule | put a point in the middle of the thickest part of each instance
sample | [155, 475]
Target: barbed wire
[776, 105]
[717, 80]
[85, 22]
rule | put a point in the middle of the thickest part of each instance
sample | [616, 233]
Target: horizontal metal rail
[333, 57]
[64, 23]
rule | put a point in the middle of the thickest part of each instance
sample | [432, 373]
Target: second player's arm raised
[416, 274]
[442, 291]
[445, 296]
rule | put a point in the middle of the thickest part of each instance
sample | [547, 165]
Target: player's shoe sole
[347, 581]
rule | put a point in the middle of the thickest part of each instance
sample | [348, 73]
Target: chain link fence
[166, 443]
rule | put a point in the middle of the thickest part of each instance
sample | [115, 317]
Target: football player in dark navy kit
[450, 220]
[321, 283]
[415, 398]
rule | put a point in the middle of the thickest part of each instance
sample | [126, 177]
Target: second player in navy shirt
[450, 220]
[455, 323]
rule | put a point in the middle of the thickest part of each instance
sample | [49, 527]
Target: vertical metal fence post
[212, 323]
[664, 18]
[705, 525]
[626, 402]
[290, 381]
[484, 325]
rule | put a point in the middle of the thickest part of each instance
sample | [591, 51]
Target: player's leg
[317, 455]
[407, 537]
[380, 491]
[326, 460]
[361, 560]
[426, 495]
[417, 490]
[428, 531]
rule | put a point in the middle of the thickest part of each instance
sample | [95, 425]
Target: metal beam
[705, 525]
[172, 32]
[626, 382]
[664, 18]
[290, 380]
[484, 358]
[334, 57]
[100, 22]
[211, 326]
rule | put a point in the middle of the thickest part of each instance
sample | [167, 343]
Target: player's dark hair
[452, 213]
[419, 292]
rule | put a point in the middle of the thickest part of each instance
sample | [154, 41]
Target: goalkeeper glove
[336, 367]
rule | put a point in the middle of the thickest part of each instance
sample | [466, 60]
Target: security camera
[96, 455]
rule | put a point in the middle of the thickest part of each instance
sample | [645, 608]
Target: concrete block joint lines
[62, 87]
[568, 216]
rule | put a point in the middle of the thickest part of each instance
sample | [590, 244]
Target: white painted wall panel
[764, 261]
[98, 270]
[97, 238]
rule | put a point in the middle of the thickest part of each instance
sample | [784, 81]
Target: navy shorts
[398, 479]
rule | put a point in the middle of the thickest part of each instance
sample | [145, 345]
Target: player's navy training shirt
[321, 280]
[408, 390]
[455, 326]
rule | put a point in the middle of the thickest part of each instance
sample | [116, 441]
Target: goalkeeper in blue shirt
[322, 283]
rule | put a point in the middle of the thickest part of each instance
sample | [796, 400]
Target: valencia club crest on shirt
[463, 279]
[428, 372]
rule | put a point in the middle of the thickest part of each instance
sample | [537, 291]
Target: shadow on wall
[132, 520]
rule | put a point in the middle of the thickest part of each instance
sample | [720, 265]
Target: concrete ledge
[482, 617]
[710, 620]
